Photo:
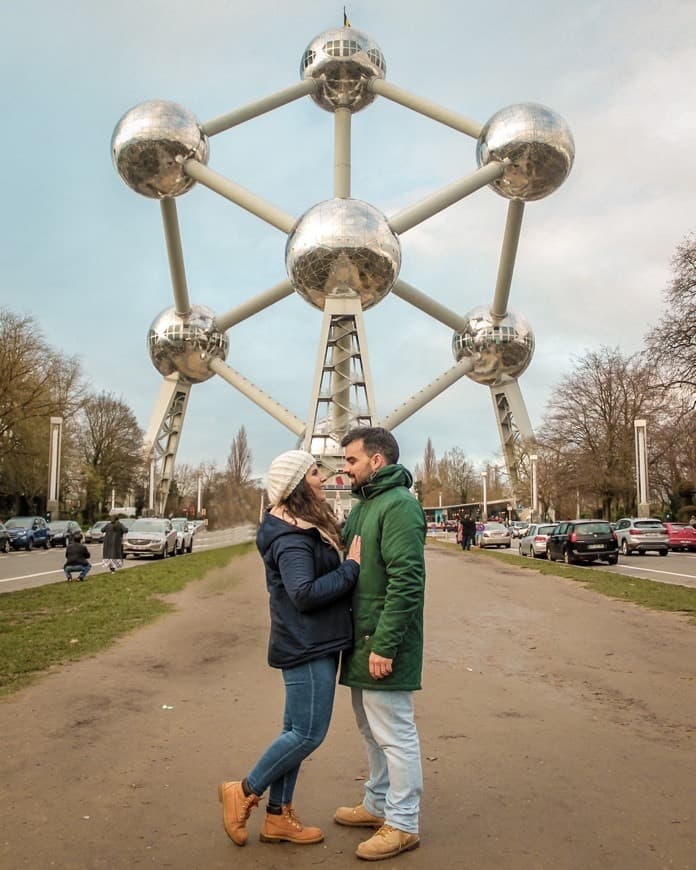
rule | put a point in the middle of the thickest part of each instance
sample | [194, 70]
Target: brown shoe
[288, 828]
[236, 808]
[357, 817]
[386, 843]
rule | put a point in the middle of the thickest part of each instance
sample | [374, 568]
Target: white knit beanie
[285, 473]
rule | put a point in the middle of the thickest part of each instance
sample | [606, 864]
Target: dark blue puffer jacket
[310, 593]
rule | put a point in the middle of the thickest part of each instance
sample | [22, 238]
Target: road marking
[28, 576]
[655, 571]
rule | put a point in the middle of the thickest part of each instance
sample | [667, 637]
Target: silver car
[184, 535]
[150, 536]
[533, 543]
[642, 534]
[494, 535]
[95, 534]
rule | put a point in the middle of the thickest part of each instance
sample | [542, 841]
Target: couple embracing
[360, 617]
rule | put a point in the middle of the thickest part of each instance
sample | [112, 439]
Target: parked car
[682, 536]
[641, 535]
[27, 532]
[95, 534]
[184, 535]
[60, 532]
[518, 528]
[582, 541]
[126, 521]
[5, 544]
[150, 536]
[533, 543]
[495, 535]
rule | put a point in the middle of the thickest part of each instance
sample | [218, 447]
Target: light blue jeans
[309, 698]
[386, 721]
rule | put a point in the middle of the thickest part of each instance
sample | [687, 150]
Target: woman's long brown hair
[303, 505]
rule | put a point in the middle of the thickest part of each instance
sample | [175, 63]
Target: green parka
[388, 598]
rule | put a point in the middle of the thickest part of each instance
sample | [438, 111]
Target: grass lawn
[647, 593]
[47, 625]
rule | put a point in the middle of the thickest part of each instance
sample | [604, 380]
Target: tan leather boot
[236, 809]
[357, 817]
[386, 843]
[289, 829]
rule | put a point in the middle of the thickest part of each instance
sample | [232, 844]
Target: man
[468, 532]
[384, 667]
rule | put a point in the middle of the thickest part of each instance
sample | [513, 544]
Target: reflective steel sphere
[146, 143]
[185, 343]
[343, 247]
[500, 351]
[539, 145]
[343, 61]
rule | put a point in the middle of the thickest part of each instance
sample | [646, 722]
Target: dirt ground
[558, 731]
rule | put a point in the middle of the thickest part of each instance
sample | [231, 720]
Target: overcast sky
[86, 256]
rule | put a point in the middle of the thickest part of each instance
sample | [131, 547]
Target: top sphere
[343, 61]
[147, 142]
[537, 142]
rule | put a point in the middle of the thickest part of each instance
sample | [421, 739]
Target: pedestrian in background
[112, 550]
[77, 558]
[468, 532]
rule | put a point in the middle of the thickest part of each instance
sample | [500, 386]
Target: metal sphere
[501, 351]
[343, 248]
[539, 145]
[185, 343]
[343, 61]
[147, 142]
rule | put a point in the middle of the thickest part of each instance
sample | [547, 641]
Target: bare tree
[588, 434]
[236, 495]
[109, 447]
[36, 383]
[672, 343]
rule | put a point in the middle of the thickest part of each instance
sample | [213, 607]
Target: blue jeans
[309, 697]
[386, 721]
[74, 569]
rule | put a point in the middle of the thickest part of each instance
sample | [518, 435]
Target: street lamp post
[533, 513]
[641, 437]
[484, 482]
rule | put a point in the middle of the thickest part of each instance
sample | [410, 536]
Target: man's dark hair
[375, 439]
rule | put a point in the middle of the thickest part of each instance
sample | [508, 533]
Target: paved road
[22, 570]
[557, 729]
[676, 568]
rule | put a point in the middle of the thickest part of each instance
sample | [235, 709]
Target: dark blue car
[27, 532]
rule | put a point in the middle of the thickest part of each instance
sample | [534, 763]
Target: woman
[112, 551]
[309, 589]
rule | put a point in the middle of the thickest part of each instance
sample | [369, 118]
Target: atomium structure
[343, 256]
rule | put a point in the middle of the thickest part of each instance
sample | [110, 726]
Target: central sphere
[343, 248]
[149, 143]
[501, 350]
[185, 343]
[343, 62]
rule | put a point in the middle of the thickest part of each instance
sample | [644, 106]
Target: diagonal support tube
[263, 400]
[253, 306]
[429, 306]
[259, 107]
[172, 238]
[426, 107]
[446, 196]
[513, 227]
[239, 195]
[427, 394]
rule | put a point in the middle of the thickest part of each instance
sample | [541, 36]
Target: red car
[682, 536]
